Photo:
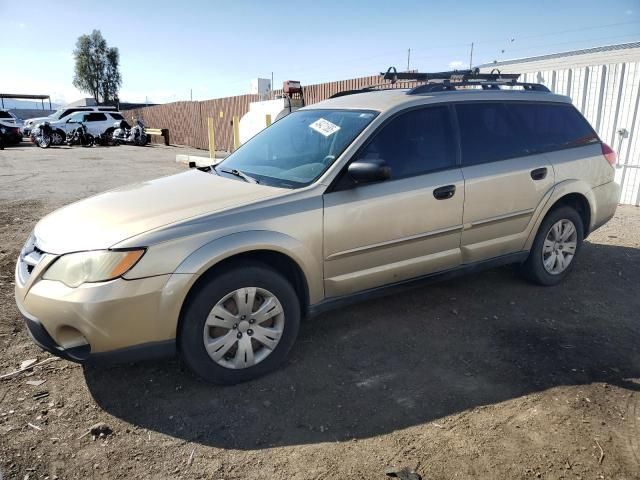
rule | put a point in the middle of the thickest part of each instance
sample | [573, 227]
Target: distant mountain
[10, 103]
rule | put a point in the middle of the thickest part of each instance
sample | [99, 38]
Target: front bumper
[119, 320]
[82, 354]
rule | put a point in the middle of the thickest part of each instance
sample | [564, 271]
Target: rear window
[117, 116]
[552, 126]
[488, 133]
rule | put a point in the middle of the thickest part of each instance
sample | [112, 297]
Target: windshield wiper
[243, 176]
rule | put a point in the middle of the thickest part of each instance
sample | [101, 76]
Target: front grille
[29, 258]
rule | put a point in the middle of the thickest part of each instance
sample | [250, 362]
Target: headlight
[74, 269]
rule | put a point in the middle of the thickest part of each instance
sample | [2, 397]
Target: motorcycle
[125, 134]
[80, 136]
[42, 135]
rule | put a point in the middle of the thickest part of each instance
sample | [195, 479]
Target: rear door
[505, 179]
[404, 227]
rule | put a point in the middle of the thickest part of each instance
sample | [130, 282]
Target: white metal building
[604, 83]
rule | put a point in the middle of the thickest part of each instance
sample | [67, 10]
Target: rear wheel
[240, 324]
[555, 247]
[57, 137]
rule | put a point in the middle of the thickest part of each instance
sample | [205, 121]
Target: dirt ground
[484, 376]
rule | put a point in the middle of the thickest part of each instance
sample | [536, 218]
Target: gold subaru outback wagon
[335, 202]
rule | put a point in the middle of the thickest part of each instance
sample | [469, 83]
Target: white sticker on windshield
[325, 127]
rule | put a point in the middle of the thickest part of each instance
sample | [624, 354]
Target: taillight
[609, 154]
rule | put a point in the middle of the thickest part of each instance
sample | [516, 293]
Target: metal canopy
[25, 96]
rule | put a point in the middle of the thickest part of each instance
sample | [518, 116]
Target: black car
[11, 134]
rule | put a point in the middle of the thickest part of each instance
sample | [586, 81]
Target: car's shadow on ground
[401, 361]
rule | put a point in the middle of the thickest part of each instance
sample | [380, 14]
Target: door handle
[539, 173]
[443, 193]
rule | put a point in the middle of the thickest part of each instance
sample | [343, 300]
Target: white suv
[97, 123]
[61, 114]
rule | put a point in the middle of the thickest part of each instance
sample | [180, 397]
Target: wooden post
[268, 119]
[212, 142]
[236, 132]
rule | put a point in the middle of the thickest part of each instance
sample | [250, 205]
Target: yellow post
[268, 118]
[212, 141]
[236, 132]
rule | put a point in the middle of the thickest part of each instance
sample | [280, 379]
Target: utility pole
[191, 94]
[271, 89]
[408, 58]
[471, 57]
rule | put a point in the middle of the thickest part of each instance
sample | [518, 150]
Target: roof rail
[486, 85]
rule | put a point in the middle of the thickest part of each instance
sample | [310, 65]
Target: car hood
[35, 120]
[108, 218]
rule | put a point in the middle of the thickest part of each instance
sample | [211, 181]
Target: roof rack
[449, 81]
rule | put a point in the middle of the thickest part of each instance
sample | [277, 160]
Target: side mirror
[367, 171]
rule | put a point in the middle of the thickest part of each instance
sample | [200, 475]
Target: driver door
[405, 227]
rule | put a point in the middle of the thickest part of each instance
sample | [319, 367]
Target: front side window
[297, 149]
[414, 143]
[488, 133]
[552, 126]
[78, 117]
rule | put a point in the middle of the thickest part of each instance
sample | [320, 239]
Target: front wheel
[43, 141]
[240, 324]
[555, 247]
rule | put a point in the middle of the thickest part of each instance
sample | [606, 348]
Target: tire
[231, 368]
[552, 272]
[43, 141]
[58, 137]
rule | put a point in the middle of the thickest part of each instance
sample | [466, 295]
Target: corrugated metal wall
[608, 96]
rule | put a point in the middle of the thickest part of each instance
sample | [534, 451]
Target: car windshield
[56, 115]
[297, 149]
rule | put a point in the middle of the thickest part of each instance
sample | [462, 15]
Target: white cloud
[455, 65]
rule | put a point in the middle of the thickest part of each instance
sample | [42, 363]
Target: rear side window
[552, 126]
[415, 143]
[117, 116]
[96, 117]
[488, 133]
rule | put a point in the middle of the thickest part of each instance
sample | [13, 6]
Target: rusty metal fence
[187, 121]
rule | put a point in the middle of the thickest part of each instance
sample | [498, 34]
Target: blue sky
[215, 48]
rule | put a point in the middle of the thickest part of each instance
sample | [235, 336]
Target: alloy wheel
[56, 138]
[244, 328]
[559, 246]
